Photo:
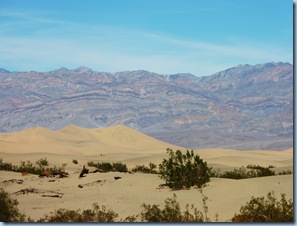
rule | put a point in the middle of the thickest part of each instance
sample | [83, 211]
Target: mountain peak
[2, 70]
[83, 69]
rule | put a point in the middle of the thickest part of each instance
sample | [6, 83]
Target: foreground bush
[96, 214]
[266, 210]
[170, 213]
[8, 208]
[184, 170]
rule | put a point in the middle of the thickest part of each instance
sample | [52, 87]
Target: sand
[126, 195]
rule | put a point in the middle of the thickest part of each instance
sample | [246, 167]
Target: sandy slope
[125, 196]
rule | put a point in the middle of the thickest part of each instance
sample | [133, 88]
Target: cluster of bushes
[170, 213]
[184, 170]
[285, 172]
[39, 168]
[97, 214]
[109, 167]
[270, 209]
[250, 171]
[259, 209]
[146, 169]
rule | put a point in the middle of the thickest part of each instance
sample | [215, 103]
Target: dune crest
[76, 140]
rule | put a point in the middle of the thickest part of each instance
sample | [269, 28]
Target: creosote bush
[8, 208]
[108, 167]
[96, 214]
[146, 169]
[266, 210]
[170, 213]
[184, 170]
[39, 168]
[249, 171]
[42, 162]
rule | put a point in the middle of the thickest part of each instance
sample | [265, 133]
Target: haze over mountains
[244, 107]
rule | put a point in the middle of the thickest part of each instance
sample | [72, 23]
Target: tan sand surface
[125, 196]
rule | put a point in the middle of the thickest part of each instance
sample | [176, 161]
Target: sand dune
[125, 196]
[76, 140]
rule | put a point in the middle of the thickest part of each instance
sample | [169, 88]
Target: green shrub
[75, 161]
[240, 173]
[145, 169]
[170, 213]
[42, 162]
[250, 171]
[184, 170]
[40, 169]
[266, 210]
[8, 208]
[6, 166]
[119, 167]
[96, 214]
[285, 172]
[108, 167]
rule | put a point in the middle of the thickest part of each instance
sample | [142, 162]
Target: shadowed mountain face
[241, 107]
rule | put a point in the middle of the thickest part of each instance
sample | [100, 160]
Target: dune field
[125, 195]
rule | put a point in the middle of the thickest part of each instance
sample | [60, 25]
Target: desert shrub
[75, 161]
[6, 166]
[262, 171]
[42, 162]
[250, 171]
[8, 208]
[266, 210]
[28, 167]
[285, 172]
[170, 213]
[145, 169]
[108, 167]
[240, 173]
[96, 214]
[184, 170]
[58, 170]
[119, 167]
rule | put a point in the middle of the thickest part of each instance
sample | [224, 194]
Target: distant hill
[244, 107]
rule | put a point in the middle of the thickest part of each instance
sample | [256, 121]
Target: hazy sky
[164, 36]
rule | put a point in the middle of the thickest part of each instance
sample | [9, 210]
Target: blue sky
[164, 36]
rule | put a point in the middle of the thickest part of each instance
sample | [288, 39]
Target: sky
[200, 37]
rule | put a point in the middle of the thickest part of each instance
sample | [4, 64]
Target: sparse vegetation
[146, 169]
[285, 172]
[39, 168]
[250, 171]
[258, 209]
[266, 210]
[75, 161]
[184, 170]
[108, 167]
[170, 213]
[97, 214]
[42, 162]
[9, 211]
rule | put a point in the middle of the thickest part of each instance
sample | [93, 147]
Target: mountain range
[244, 107]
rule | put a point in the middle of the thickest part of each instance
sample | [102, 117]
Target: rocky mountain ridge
[244, 101]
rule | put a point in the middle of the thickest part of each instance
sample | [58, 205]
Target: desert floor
[126, 195]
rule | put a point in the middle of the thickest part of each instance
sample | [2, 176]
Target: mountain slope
[244, 101]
